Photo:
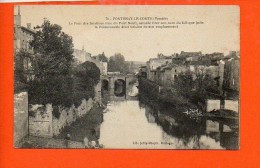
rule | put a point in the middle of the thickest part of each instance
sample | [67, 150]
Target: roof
[28, 30]
[190, 54]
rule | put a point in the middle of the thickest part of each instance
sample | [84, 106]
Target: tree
[195, 85]
[203, 83]
[53, 49]
[86, 76]
[52, 65]
[183, 84]
[102, 57]
[117, 63]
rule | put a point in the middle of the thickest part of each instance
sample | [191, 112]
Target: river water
[133, 122]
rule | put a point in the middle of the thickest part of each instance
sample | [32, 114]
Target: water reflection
[132, 123]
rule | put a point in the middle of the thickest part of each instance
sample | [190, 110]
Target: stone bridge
[109, 81]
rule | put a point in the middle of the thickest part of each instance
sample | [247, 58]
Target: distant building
[231, 75]
[190, 56]
[154, 63]
[23, 52]
[170, 72]
[82, 56]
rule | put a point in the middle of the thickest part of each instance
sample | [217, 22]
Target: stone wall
[98, 97]
[20, 118]
[229, 105]
[69, 115]
[42, 122]
[212, 104]
[232, 105]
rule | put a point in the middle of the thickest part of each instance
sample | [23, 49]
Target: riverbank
[156, 93]
[41, 142]
[86, 126]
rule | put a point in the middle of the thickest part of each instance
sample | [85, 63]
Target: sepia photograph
[127, 77]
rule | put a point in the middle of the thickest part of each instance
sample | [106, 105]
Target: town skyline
[220, 33]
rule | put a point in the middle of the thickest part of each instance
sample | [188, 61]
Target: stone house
[170, 72]
[154, 63]
[83, 56]
[23, 52]
[231, 75]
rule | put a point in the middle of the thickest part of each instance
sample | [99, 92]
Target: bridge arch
[105, 84]
[119, 87]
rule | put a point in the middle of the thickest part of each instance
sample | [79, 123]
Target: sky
[219, 33]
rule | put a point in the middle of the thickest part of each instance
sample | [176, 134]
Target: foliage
[183, 84]
[56, 112]
[196, 85]
[117, 63]
[56, 90]
[52, 66]
[86, 76]
[203, 84]
[102, 57]
[53, 50]
[56, 82]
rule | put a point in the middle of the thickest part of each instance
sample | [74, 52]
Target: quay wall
[43, 123]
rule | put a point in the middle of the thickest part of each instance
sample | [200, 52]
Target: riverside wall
[42, 123]
[20, 118]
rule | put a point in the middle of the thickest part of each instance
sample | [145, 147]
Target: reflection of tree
[120, 89]
[174, 123]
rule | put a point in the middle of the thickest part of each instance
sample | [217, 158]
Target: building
[23, 52]
[231, 75]
[83, 56]
[170, 72]
[154, 63]
[190, 56]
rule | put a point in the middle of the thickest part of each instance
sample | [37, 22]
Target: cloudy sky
[219, 33]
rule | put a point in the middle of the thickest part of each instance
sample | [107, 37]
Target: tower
[17, 17]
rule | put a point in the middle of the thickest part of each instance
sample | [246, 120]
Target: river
[132, 122]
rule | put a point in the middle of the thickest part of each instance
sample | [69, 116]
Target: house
[154, 63]
[231, 75]
[83, 56]
[23, 52]
[169, 73]
[190, 56]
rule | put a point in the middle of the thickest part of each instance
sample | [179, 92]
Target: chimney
[29, 25]
[19, 11]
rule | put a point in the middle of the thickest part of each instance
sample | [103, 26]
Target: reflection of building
[22, 50]
[222, 133]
